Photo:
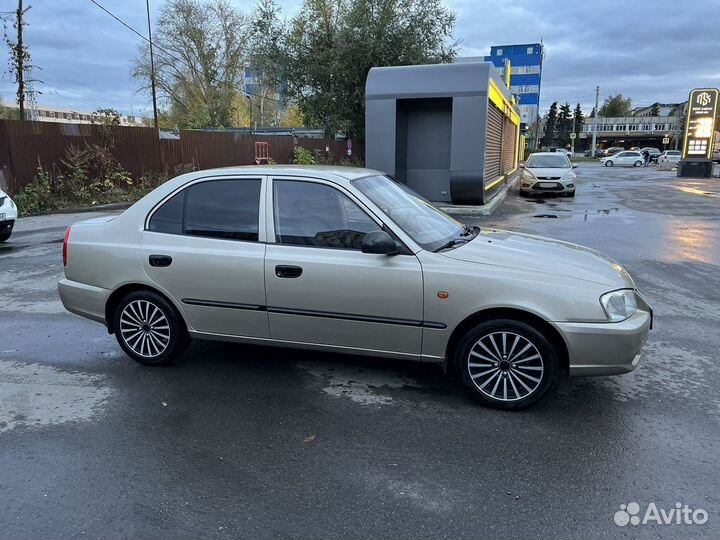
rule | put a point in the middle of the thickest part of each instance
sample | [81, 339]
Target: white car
[548, 173]
[8, 215]
[669, 156]
[568, 153]
[626, 158]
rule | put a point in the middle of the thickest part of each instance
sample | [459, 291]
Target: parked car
[598, 153]
[716, 154]
[626, 158]
[669, 156]
[548, 173]
[8, 215]
[613, 150]
[347, 260]
[568, 153]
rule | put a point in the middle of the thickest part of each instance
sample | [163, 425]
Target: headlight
[528, 176]
[619, 305]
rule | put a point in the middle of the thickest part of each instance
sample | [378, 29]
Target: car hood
[537, 254]
[549, 171]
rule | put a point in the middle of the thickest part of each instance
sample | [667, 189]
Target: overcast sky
[649, 50]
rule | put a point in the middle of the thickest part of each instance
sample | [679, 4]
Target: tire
[638, 163]
[5, 235]
[156, 345]
[609, 163]
[512, 382]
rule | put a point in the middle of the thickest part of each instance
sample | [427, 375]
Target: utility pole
[572, 140]
[594, 137]
[20, 60]
[152, 70]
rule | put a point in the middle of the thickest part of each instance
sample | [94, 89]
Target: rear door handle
[160, 260]
[288, 271]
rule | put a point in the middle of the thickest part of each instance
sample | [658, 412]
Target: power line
[169, 54]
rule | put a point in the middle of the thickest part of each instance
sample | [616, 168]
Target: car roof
[327, 172]
[546, 154]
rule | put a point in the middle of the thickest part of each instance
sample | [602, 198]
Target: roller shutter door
[509, 147]
[493, 144]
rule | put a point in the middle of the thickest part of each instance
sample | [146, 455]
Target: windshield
[426, 225]
[548, 161]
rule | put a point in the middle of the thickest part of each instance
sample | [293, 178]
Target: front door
[322, 289]
[202, 248]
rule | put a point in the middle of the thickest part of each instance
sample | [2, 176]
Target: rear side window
[227, 209]
[169, 217]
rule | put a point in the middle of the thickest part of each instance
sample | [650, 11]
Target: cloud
[649, 50]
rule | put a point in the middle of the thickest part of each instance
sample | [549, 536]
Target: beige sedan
[349, 261]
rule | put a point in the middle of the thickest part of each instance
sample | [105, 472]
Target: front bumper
[84, 300]
[559, 187]
[606, 348]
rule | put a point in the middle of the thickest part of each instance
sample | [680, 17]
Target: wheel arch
[122, 291]
[521, 315]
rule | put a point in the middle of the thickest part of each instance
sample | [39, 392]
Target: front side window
[227, 209]
[318, 215]
[426, 225]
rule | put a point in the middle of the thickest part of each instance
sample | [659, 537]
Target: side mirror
[380, 243]
[574, 165]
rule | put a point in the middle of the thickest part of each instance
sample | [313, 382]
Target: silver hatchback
[347, 260]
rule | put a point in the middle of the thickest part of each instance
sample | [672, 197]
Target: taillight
[65, 244]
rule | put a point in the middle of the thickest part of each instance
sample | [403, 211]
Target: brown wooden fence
[26, 145]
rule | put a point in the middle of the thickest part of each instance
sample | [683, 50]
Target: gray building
[448, 131]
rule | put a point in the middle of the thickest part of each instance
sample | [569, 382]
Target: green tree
[616, 106]
[200, 53]
[551, 120]
[324, 53]
[579, 120]
[564, 125]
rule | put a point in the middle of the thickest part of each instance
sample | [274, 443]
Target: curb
[82, 209]
[484, 210]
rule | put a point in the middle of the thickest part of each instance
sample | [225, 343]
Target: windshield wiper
[470, 230]
[452, 243]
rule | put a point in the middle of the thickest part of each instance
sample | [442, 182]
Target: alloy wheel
[505, 366]
[144, 328]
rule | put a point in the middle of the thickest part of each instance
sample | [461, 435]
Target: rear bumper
[606, 348]
[84, 300]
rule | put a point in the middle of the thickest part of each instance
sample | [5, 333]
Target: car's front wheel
[609, 163]
[5, 235]
[149, 329]
[507, 364]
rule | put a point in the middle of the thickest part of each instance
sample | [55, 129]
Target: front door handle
[288, 271]
[160, 260]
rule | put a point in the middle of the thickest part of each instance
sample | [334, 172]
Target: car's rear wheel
[609, 163]
[149, 329]
[507, 364]
[638, 163]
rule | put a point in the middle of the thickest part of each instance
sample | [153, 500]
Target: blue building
[525, 74]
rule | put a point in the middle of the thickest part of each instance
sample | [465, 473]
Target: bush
[303, 156]
[36, 196]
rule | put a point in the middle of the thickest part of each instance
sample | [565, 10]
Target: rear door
[204, 247]
[321, 288]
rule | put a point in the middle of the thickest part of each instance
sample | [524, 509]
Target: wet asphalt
[247, 442]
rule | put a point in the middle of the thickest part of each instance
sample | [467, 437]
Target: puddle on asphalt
[360, 385]
[36, 395]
